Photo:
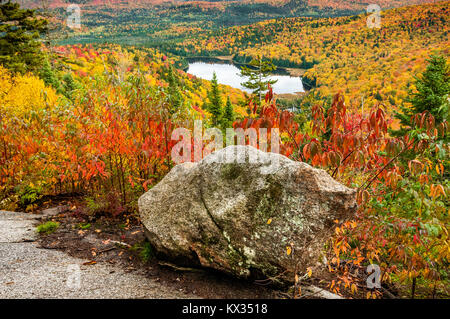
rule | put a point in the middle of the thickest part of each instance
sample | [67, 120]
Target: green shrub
[146, 252]
[29, 195]
[84, 226]
[144, 249]
[47, 227]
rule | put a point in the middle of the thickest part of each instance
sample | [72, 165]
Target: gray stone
[239, 213]
[17, 227]
[50, 212]
[28, 271]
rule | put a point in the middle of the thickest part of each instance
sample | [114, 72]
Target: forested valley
[87, 116]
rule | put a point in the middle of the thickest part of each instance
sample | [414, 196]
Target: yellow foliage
[21, 94]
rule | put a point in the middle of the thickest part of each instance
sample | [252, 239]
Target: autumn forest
[87, 114]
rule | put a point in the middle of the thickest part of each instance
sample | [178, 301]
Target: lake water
[229, 74]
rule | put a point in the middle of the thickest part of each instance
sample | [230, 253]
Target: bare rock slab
[245, 212]
[20, 227]
[28, 271]
[16, 227]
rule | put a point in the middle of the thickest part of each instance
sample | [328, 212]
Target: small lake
[229, 74]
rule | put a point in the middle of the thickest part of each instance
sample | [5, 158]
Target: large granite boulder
[266, 217]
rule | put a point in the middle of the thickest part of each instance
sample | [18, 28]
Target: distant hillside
[163, 23]
[351, 5]
[99, 3]
[362, 4]
[340, 54]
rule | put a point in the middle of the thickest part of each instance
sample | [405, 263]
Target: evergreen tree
[175, 97]
[228, 115]
[215, 102]
[48, 75]
[20, 32]
[258, 77]
[433, 93]
[378, 96]
[69, 85]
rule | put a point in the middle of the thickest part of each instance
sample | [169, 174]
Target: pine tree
[433, 93]
[20, 32]
[215, 102]
[228, 115]
[175, 97]
[47, 74]
[69, 86]
[258, 77]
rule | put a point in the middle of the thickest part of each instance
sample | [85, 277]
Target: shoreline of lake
[228, 73]
[293, 72]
